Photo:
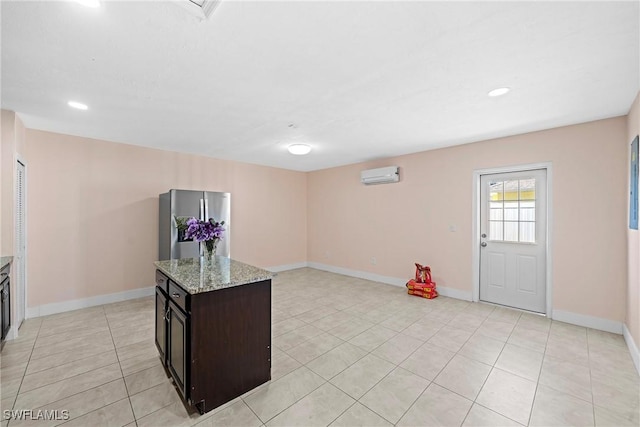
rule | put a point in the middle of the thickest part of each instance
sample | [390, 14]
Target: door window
[512, 210]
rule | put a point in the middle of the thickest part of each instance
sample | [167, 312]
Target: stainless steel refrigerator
[182, 204]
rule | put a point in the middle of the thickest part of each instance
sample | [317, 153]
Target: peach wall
[633, 286]
[93, 213]
[407, 222]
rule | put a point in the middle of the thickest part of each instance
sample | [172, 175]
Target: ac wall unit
[380, 175]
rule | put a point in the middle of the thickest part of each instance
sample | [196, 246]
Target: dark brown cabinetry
[216, 345]
[177, 346]
[5, 302]
[161, 323]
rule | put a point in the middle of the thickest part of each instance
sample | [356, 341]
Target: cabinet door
[161, 324]
[6, 309]
[177, 357]
[2, 334]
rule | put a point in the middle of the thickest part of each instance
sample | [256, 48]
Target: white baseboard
[447, 292]
[455, 293]
[359, 274]
[61, 307]
[587, 321]
[633, 348]
[285, 267]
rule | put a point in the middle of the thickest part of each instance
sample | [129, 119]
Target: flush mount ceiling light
[77, 105]
[499, 91]
[299, 149]
[89, 3]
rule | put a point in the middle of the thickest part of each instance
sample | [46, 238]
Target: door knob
[483, 244]
[483, 235]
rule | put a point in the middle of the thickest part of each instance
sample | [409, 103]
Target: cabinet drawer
[162, 281]
[178, 295]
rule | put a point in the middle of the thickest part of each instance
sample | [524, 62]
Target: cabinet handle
[175, 295]
[166, 315]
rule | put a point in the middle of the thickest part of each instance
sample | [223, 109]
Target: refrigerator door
[218, 207]
[186, 204]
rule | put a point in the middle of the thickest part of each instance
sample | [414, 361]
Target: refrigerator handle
[202, 209]
[206, 210]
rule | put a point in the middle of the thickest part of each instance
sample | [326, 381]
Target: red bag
[422, 286]
[412, 284]
[423, 274]
[428, 294]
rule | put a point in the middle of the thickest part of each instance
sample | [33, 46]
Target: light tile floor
[346, 352]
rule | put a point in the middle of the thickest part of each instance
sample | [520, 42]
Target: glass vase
[209, 252]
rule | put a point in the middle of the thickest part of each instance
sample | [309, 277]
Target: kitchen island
[213, 327]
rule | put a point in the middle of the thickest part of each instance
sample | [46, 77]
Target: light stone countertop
[5, 260]
[195, 276]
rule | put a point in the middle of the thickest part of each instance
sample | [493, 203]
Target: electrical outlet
[453, 228]
[374, 261]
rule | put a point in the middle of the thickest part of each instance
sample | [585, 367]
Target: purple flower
[203, 231]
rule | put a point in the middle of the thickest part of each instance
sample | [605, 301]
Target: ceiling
[356, 80]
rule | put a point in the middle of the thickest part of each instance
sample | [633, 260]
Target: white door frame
[16, 291]
[475, 228]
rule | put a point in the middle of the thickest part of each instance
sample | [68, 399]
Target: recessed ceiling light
[299, 149]
[499, 91]
[77, 105]
[89, 3]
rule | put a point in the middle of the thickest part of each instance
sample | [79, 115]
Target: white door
[19, 259]
[513, 227]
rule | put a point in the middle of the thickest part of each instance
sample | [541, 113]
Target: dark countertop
[195, 275]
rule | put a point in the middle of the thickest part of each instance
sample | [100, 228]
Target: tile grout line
[439, 372]
[25, 370]
[135, 419]
[68, 378]
[15, 399]
[67, 363]
[474, 402]
[329, 381]
[51, 403]
[39, 331]
[543, 353]
[493, 367]
[343, 412]
[148, 388]
[55, 353]
[95, 410]
[251, 409]
[292, 404]
[457, 353]
[593, 403]
[84, 391]
[396, 365]
[76, 329]
[535, 392]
